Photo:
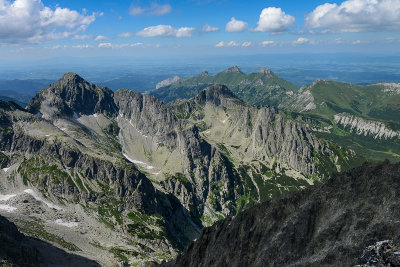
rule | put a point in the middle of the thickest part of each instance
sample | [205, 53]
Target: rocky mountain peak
[72, 94]
[265, 71]
[233, 69]
[318, 81]
[204, 74]
[71, 76]
[215, 94]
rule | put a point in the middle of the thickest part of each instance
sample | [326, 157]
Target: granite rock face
[325, 225]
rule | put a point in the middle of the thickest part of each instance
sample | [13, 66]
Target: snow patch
[95, 115]
[40, 115]
[6, 197]
[76, 116]
[67, 224]
[5, 169]
[47, 135]
[141, 163]
[35, 196]
[7, 208]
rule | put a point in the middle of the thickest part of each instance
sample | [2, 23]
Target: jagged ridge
[326, 225]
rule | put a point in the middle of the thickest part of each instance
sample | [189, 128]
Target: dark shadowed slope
[18, 250]
[326, 225]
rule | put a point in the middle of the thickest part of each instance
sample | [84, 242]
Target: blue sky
[33, 29]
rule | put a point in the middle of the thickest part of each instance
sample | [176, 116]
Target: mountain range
[362, 118]
[124, 178]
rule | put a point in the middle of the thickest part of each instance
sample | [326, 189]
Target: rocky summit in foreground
[324, 225]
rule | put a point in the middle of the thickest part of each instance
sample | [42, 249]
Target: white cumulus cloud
[81, 46]
[356, 16]
[153, 10]
[233, 44]
[166, 30]
[268, 43]
[116, 46]
[125, 34]
[273, 19]
[302, 40]
[235, 25]
[30, 21]
[220, 44]
[101, 38]
[209, 28]
[82, 37]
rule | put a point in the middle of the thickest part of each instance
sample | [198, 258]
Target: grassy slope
[365, 101]
[252, 91]
[369, 102]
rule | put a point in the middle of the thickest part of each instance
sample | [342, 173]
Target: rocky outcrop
[382, 253]
[304, 101]
[360, 126]
[168, 81]
[201, 163]
[233, 69]
[325, 225]
[266, 71]
[393, 88]
[63, 169]
[70, 96]
[270, 135]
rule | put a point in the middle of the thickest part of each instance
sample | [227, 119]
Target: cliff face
[360, 126]
[325, 225]
[72, 96]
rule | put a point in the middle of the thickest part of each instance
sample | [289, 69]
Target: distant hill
[364, 118]
[134, 82]
[21, 91]
[327, 98]
[261, 88]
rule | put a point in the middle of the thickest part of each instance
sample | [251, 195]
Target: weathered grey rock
[325, 225]
[70, 96]
[168, 81]
[382, 253]
[83, 144]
